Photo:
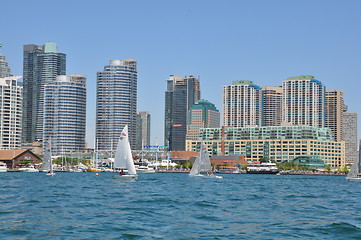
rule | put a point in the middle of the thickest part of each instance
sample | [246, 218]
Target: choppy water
[176, 206]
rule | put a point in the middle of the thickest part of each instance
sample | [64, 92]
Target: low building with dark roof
[19, 158]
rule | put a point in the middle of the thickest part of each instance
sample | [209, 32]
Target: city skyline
[236, 41]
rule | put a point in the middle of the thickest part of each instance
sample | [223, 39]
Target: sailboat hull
[126, 177]
[353, 179]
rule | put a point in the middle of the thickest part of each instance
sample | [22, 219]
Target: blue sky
[265, 41]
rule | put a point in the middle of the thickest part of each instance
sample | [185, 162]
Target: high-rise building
[335, 107]
[10, 113]
[65, 114]
[304, 101]
[272, 106]
[181, 94]
[116, 103]
[350, 136]
[41, 66]
[242, 104]
[203, 114]
[143, 129]
[4, 67]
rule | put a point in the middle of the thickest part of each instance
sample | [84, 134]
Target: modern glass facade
[116, 102]
[41, 65]
[242, 104]
[65, 114]
[279, 143]
[181, 94]
[203, 114]
[10, 113]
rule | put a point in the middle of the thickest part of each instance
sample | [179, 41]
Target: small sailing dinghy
[123, 158]
[48, 162]
[355, 171]
[202, 164]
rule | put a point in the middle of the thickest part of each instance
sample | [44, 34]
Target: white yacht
[262, 168]
[28, 169]
[3, 167]
[144, 169]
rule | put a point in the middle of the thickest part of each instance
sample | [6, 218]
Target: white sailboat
[355, 171]
[48, 161]
[202, 164]
[123, 158]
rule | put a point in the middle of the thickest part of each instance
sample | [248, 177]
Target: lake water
[176, 206]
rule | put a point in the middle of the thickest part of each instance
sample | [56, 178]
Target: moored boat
[262, 168]
[3, 167]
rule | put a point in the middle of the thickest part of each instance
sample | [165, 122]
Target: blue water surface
[176, 206]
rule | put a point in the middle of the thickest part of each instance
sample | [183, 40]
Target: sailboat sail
[47, 158]
[123, 155]
[202, 162]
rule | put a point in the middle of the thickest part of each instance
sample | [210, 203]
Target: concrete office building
[116, 104]
[4, 67]
[272, 106]
[278, 143]
[143, 130]
[10, 113]
[242, 104]
[349, 131]
[304, 101]
[65, 114]
[203, 114]
[41, 66]
[335, 107]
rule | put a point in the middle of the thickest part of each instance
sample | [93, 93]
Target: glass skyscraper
[65, 114]
[41, 66]
[180, 96]
[116, 104]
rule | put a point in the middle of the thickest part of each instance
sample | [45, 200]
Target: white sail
[202, 162]
[47, 165]
[355, 168]
[123, 155]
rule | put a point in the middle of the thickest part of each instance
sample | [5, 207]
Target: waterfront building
[278, 143]
[143, 130]
[272, 106]
[304, 101]
[65, 114]
[41, 65]
[4, 67]
[116, 104]
[180, 96]
[10, 112]
[203, 114]
[350, 136]
[335, 107]
[242, 104]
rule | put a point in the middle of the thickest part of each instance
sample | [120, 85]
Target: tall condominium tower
[335, 107]
[41, 66]
[65, 114]
[272, 106]
[10, 113]
[242, 104]
[116, 102]
[350, 136]
[181, 94]
[4, 67]
[203, 114]
[143, 129]
[304, 101]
